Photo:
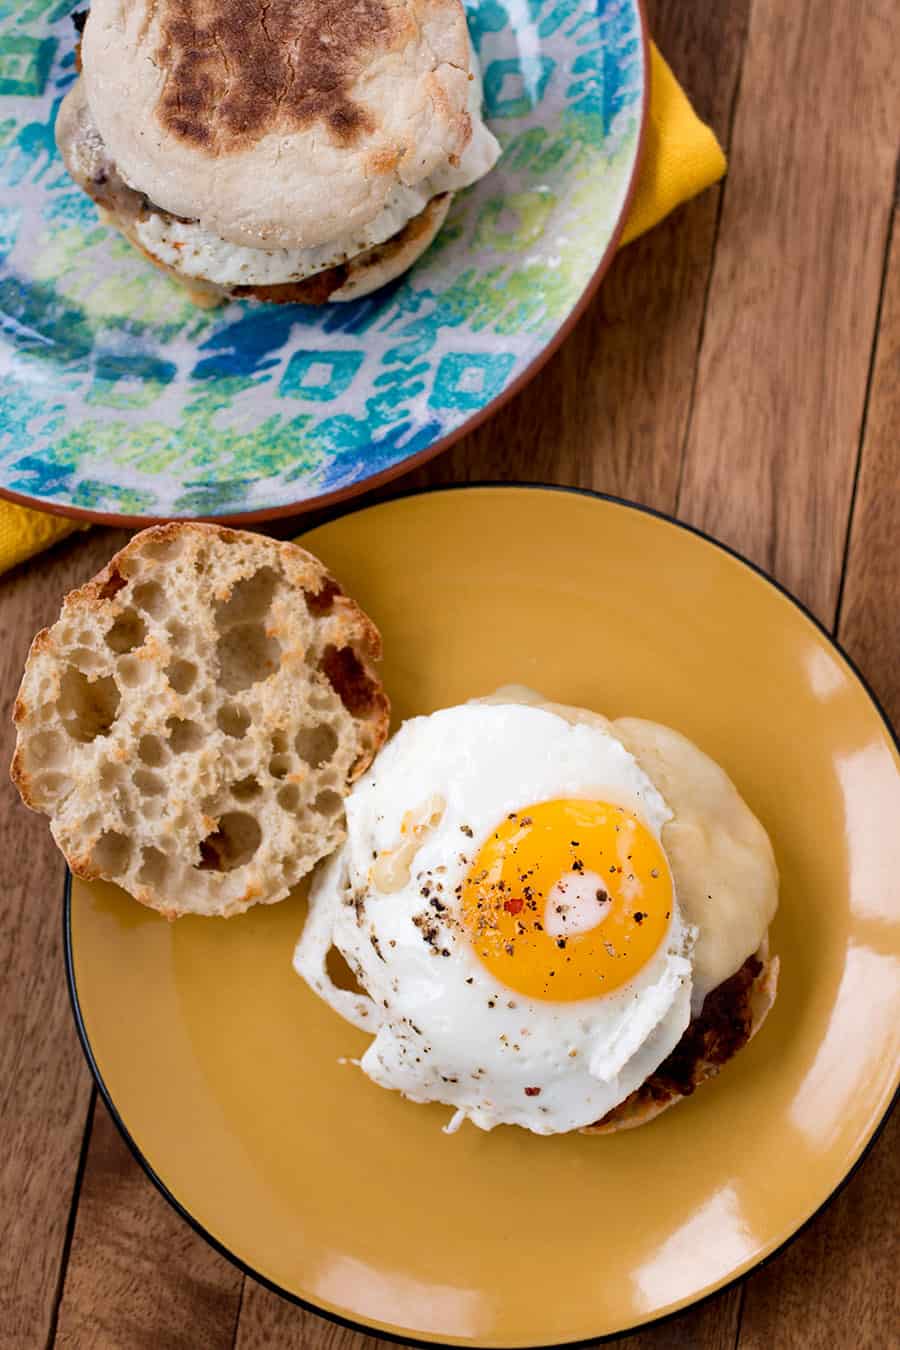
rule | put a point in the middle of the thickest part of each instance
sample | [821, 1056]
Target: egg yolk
[567, 899]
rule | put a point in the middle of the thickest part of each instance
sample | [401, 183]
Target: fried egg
[506, 905]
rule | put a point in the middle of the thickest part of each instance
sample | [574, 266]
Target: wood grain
[138, 1276]
[869, 622]
[267, 1321]
[850, 1255]
[835, 1288]
[46, 1085]
[791, 317]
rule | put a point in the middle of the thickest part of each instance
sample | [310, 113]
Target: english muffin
[271, 149]
[193, 720]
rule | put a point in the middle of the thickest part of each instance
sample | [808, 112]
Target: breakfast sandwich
[545, 918]
[195, 717]
[286, 151]
[550, 919]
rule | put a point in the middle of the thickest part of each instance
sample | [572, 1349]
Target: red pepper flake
[532, 1092]
[514, 906]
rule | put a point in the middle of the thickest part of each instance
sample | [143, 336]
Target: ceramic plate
[118, 398]
[225, 1071]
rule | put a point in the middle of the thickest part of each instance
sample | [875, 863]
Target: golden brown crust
[232, 68]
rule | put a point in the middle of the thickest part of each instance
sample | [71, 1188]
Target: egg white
[444, 1029]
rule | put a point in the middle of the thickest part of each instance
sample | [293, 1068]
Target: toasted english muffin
[213, 268]
[193, 720]
[278, 122]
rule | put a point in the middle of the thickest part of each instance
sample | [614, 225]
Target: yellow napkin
[24, 532]
[681, 158]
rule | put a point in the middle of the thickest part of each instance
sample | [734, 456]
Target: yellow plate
[224, 1070]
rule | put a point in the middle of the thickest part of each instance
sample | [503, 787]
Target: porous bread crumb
[194, 719]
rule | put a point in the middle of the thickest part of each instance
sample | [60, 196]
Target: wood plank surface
[46, 1085]
[789, 327]
[138, 1276]
[869, 621]
[723, 368]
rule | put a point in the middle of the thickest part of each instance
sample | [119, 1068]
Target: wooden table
[741, 367]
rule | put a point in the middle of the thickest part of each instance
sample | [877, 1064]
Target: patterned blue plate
[118, 398]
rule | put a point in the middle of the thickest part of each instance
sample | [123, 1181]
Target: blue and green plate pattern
[119, 398]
